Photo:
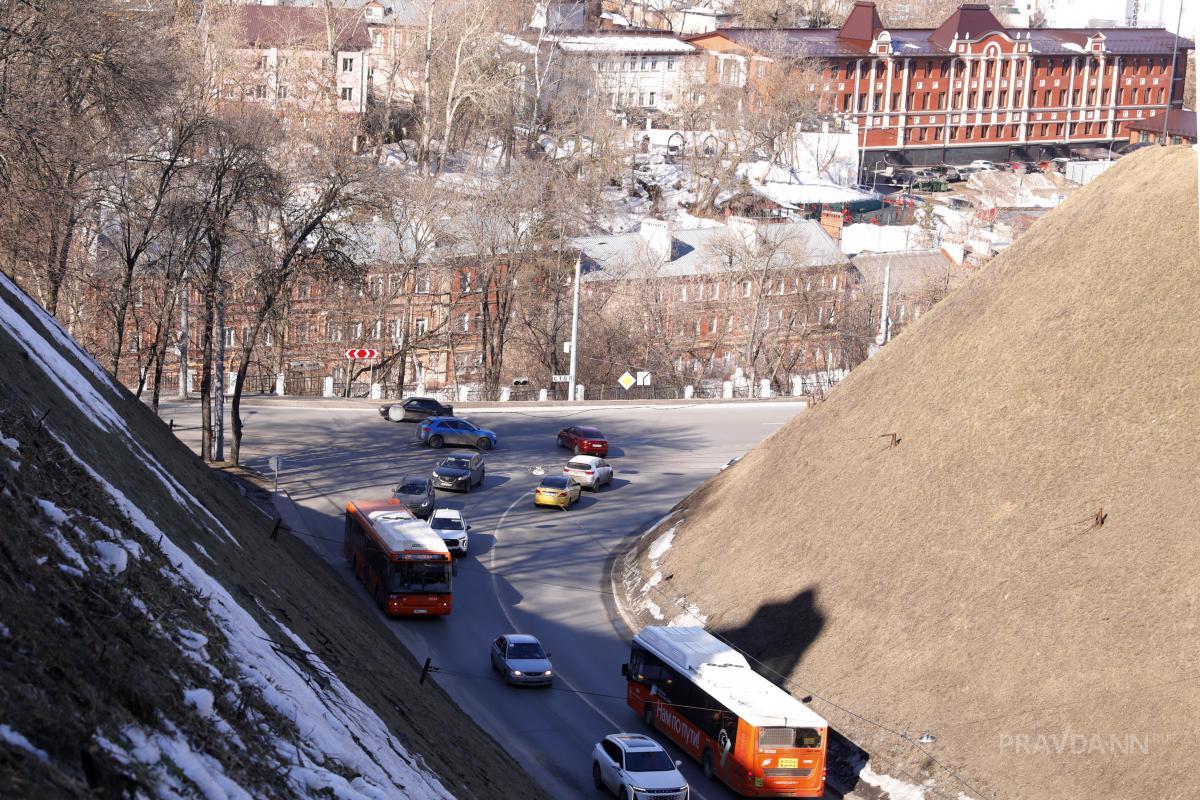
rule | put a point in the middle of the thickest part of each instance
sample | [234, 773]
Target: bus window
[808, 738]
[419, 577]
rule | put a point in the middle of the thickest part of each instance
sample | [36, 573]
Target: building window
[301, 336]
[347, 65]
[421, 284]
[333, 332]
[746, 287]
[464, 323]
[397, 331]
[645, 63]
[347, 93]
[262, 62]
[670, 63]
[651, 99]
[464, 282]
[421, 326]
[355, 331]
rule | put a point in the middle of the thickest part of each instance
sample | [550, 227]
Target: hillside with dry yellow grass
[1018, 574]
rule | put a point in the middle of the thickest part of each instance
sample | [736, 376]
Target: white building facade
[642, 70]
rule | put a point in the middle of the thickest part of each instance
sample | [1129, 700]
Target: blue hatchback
[440, 431]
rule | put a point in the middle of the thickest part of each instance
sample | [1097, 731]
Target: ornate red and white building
[970, 88]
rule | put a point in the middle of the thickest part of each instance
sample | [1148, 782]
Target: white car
[635, 767]
[451, 525]
[590, 472]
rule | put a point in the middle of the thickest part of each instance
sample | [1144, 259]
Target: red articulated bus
[758, 739]
[401, 560]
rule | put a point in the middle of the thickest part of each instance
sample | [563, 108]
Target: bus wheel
[706, 765]
[648, 715]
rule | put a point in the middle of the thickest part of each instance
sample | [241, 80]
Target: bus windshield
[808, 738]
[419, 577]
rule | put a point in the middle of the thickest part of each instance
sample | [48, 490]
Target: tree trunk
[184, 303]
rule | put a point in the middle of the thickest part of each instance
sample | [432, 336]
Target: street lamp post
[575, 326]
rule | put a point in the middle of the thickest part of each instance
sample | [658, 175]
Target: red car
[584, 441]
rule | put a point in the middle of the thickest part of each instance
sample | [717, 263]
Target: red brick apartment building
[971, 88]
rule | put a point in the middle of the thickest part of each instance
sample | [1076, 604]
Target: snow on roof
[626, 43]
[726, 676]
[780, 186]
[401, 531]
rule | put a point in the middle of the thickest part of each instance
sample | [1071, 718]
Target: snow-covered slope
[122, 643]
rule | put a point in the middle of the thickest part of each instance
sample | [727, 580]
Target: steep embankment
[155, 640]
[961, 582]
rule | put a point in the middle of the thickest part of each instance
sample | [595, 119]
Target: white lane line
[507, 616]
[696, 793]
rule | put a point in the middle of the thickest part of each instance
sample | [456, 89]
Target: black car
[416, 493]
[459, 471]
[415, 409]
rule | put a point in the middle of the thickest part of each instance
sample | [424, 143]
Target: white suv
[636, 767]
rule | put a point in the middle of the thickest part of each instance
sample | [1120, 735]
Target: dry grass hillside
[207, 660]
[958, 583]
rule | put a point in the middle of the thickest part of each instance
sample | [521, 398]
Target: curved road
[539, 571]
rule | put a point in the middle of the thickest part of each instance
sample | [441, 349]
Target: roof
[920, 42]
[909, 269]
[625, 42]
[522, 638]
[970, 21]
[1180, 122]
[862, 24]
[397, 528]
[726, 676]
[695, 251]
[302, 27]
[593, 460]
[447, 513]
[635, 741]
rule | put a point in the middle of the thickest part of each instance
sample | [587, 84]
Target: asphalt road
[531, 570]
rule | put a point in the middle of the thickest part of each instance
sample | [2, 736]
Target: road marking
[507, 616]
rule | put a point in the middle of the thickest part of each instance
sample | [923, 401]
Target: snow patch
[113, 557]
[654, 610]
[51, 511]
[15, 739]
[10, 443]
[199, 699]
[895, 789]
[661, 545]
[68, 551]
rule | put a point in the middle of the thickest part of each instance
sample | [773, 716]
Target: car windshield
[523, 650]
[648, 761]
[591, 433]
[457, 463]
[412, 487]
[555, 483]
[447, 523]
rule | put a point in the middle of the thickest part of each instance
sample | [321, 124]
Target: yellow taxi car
[558, 491]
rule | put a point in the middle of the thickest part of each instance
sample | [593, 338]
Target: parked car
[948, 172]
[415, 492]
[983, 165]
[440, 431]
[459, 472]
[635, 767]
[557, 491]
[452, 526]
[415, 409]
[583, 440]
[589, 472]
[520, 659]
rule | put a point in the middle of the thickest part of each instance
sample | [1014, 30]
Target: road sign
[626, 381]
[643, 379]
[362, 354]
[560, 378]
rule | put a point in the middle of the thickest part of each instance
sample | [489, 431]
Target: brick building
[969, 89]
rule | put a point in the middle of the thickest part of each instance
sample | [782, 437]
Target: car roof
[593, 460]
[413, 479]
[521, 638]
[461, 454]
[447, 513]
[634, 741]
[553, 480]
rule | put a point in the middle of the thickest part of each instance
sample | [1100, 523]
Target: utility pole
[185, 294]
[1171, 87]
[575, 324]
[885, 327]
[218, 398]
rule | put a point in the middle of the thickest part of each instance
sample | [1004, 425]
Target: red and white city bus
[400, 559]
[758, 739]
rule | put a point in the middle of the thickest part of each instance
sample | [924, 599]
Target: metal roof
[697, 251]
[725, 675]
[302, 27]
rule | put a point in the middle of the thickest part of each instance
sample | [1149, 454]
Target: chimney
[746, 230]
[657, 235]
[831, 222]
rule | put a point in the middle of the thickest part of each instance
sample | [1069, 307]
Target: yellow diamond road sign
[626, 381]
